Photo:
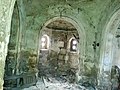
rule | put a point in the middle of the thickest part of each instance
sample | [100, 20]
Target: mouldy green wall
[93, 14]
[87, 12]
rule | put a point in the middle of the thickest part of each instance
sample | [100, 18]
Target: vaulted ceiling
[61, 25]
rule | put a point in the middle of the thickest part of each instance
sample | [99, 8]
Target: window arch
[73, 45]
[45, 42]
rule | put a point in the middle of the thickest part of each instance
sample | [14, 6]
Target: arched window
[45, 42]
[73, 45]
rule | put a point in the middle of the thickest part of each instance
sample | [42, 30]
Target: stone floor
[53, 84]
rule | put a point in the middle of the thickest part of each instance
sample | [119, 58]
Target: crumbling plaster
[6, 9]
[93, 14]
[108, 47]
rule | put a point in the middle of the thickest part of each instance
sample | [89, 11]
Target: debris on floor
[53, 84]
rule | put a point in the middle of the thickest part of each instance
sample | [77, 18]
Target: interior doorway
[59, 50]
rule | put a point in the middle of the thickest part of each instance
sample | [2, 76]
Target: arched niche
[108, 48]
[63, 38]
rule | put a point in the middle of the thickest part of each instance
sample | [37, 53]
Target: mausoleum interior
[59, 44]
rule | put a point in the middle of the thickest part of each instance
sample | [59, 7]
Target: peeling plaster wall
[86, 12]
[109, 9]
[93, 14]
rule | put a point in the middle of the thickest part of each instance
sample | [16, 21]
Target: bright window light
[74, 47]
[43, 44]
[43, 39]
[74, 42]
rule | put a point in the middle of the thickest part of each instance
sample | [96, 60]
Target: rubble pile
[53, 84]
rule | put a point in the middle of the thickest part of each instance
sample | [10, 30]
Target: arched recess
[8, 21]
[11, 63]
[9, 15]
[78, 25]
[81, 34]
[107, 48]
[13, 43]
